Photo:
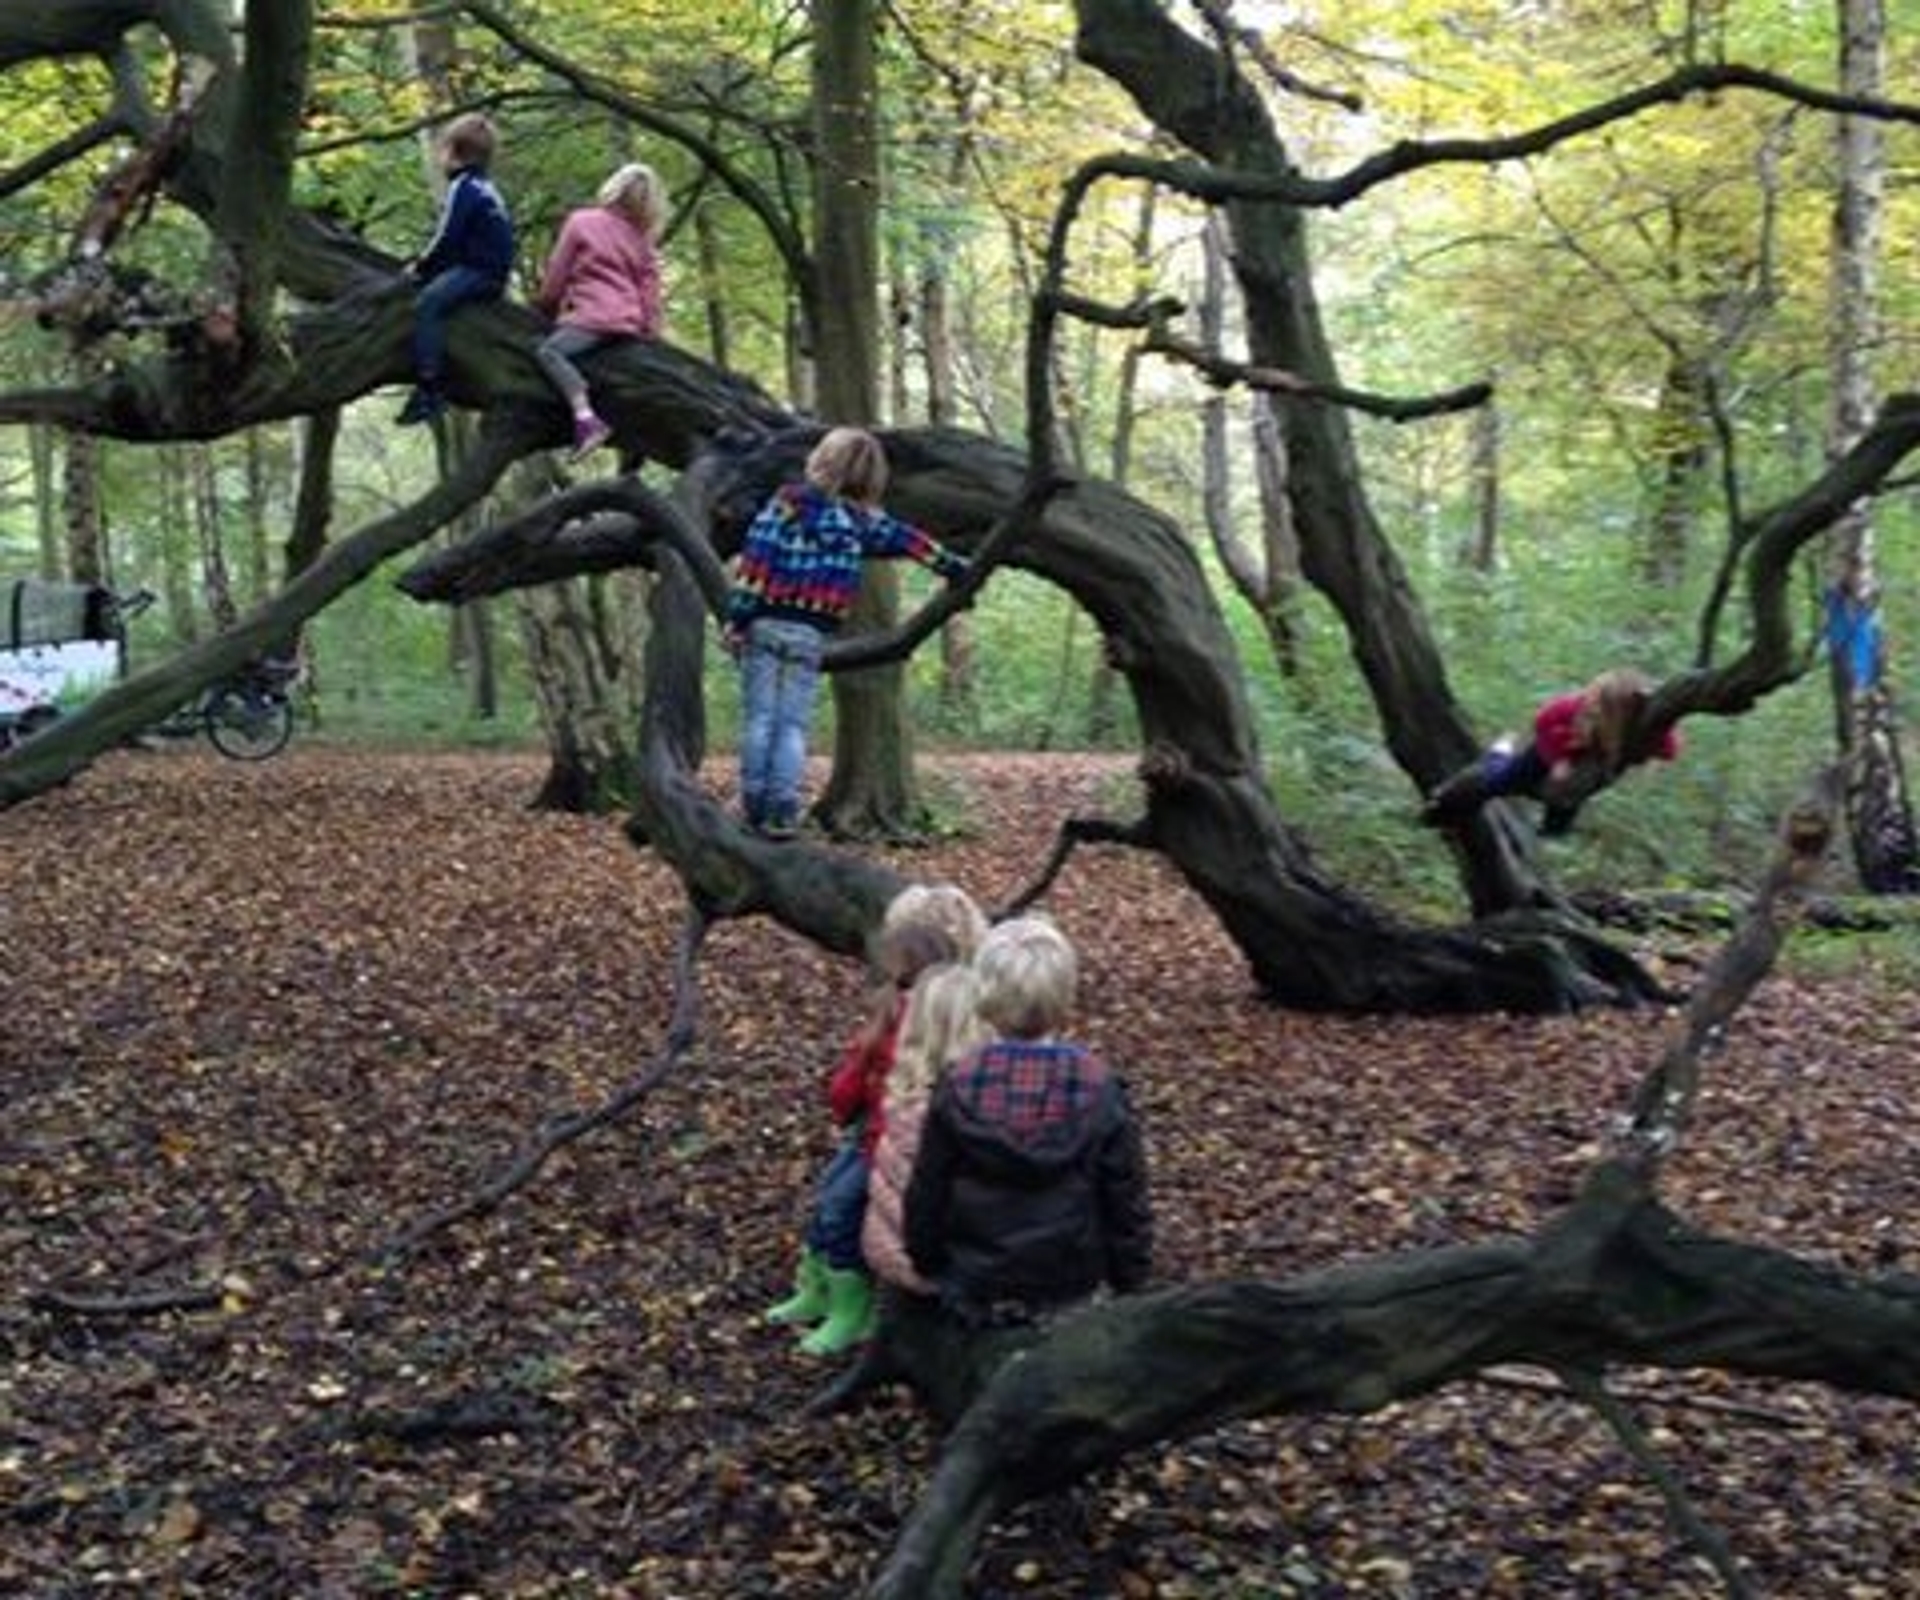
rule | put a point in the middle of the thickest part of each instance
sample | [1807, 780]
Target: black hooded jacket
[1030, 1187]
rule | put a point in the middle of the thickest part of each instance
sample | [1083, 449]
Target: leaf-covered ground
[253, 1021]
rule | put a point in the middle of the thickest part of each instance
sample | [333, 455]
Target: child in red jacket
[1592, 726]
[925, 926]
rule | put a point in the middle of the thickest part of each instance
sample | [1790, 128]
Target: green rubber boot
[808, 1302]
[849, 1314]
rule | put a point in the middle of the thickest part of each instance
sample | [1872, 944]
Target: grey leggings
[560, 349]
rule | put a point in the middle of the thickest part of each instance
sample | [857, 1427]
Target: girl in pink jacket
[941, 1025]
[602, 283]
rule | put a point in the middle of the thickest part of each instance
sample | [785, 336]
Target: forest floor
[255, 1020]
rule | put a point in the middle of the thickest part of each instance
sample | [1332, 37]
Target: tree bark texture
[1886, 848]
[583, 643]
[871, 788]
[1617, 1279]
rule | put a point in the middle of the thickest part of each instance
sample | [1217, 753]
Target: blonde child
[1589, 726]
[796, 578]
[924, 926]
[602, 284]
[1029, 1190]
[942, 1025]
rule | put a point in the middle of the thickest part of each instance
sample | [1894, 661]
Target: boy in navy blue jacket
[466, 261]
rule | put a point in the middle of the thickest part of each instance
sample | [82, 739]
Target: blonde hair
[470, 140]
[1609, 707]
[945, 906]
[900, 954]
[942, 1024]
[1028, 973]
[851, 463]
[636, 189]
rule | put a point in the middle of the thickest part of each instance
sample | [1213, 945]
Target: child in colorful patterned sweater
[926, 926]
[796, 578]
[1591, 728]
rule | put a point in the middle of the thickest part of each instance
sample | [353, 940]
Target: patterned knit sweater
[801, 560]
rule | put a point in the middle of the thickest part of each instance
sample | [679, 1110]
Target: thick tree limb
[1222, 182]
[1617, 1279]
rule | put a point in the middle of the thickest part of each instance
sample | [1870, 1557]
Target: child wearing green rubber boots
[925, 926]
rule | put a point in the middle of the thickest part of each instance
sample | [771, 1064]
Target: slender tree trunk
[216, 582]
[871, 790]
[1281, 545]
[41, 442]
[1483, 551]
[478, 654]
[1104, 684]
[1879, 807]
[176, 546]
[1265, 575]
[85, 523]
[259, 499]
[707, 255]
[958, 679]
[313, 498]
[1680, 458]
[318, 438]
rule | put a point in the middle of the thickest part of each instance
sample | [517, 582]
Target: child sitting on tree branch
[1581, 741]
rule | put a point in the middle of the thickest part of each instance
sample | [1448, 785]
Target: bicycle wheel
[248, 725]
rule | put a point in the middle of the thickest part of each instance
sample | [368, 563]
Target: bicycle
[247, 716]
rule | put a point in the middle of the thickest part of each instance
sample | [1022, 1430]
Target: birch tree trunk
[216, 582]
[1879, 809]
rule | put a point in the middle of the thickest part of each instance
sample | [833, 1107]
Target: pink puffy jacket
[883, 1233]
[603, 275]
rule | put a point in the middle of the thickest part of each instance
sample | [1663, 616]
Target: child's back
[1029, 1190]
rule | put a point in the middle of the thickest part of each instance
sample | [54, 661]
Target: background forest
[393, 1173]
[1640, 300]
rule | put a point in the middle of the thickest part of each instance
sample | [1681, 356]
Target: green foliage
[1581, 282]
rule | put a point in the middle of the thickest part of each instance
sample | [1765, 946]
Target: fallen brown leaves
[254, 1021]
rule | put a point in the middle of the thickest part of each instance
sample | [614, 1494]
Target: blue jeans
[438, 298]
[779, 672]
[840, 1208]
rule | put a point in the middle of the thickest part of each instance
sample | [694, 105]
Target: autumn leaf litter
[256, 1020]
